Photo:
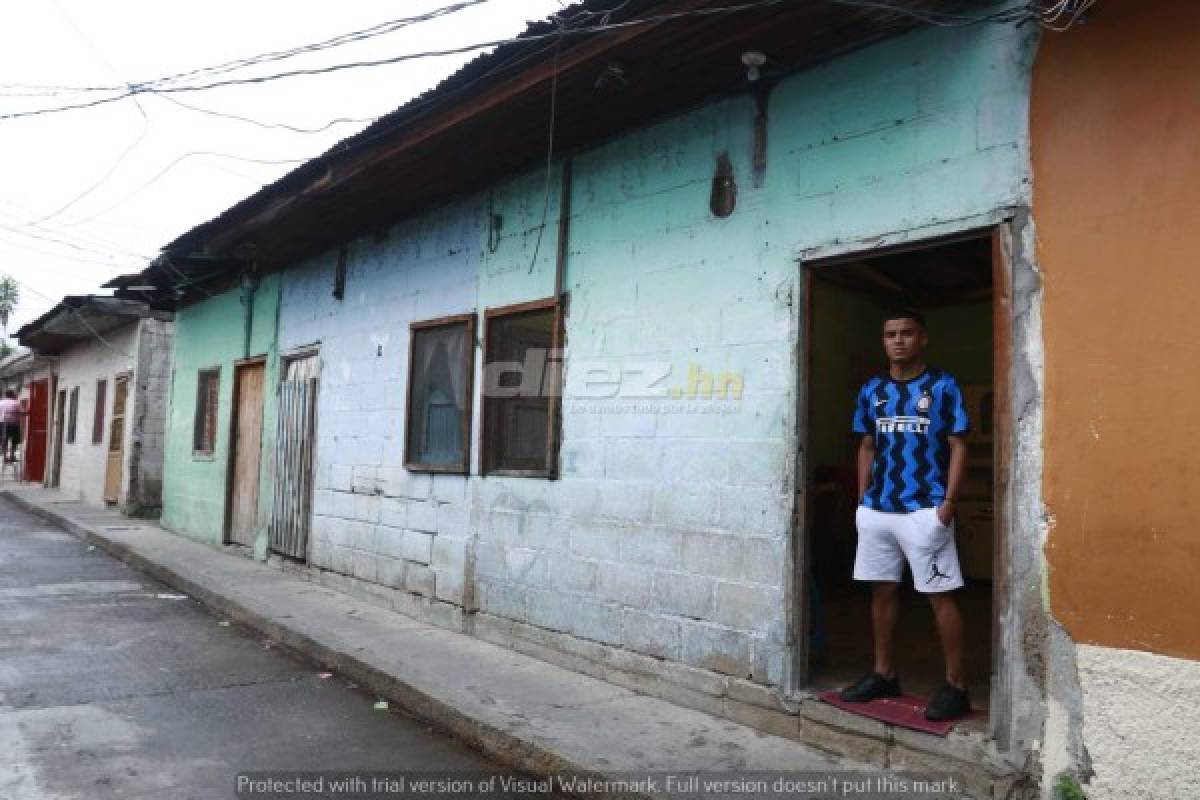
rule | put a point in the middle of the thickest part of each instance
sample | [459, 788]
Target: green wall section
[212, 333]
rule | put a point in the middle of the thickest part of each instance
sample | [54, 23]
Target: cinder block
[423, 516]
[598, 622]
[570, 574]
[652, 546]
[549, 610]
[448, 586]
[489, 560]
[597, 540]
[362, 536]
[449, 553]
[651, 634]
[393, 512]
[747, 608]
[418, 546]
[631, 459]
[444, 615]
[419, 486]
[624, 583]
[502, 526]
[685, 505]
[626, 501]
[717, 649]
[685, 595]
[366, 508]
[700, 461]
[525, 567]
[758, 464]
[419, 579]
[343, 505]
[390, 572]
[746, 510]
[582, 458]
[743, 559]
[389, 542]
[365, 566]
[323, 502]
[343, 560]
[341, 478]
[450, 489]
[453, 520]
[365, 479]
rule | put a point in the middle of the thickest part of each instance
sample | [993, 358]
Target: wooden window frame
[72, 415]
[464, 466]
[199, 409]
[98, 415]
[554, 415]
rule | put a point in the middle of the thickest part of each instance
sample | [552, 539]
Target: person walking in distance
[10, 422]
[911, 459]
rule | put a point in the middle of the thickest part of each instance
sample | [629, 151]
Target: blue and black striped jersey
[910, 421]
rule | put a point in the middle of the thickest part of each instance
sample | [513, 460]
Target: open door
[246, 454]
[38, 431]
[116, 441]
[953, 283]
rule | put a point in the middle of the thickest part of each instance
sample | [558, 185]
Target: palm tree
[10, 295]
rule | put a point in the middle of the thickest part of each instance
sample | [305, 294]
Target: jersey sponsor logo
[902, 424]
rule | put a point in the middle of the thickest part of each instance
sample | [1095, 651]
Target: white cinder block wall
[141, 349]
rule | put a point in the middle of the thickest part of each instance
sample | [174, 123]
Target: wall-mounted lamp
[753, 61]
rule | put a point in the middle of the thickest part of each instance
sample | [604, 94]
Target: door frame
[58, 409]
[998, 228]
[231, 454]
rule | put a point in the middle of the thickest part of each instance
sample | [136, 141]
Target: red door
[35, 432]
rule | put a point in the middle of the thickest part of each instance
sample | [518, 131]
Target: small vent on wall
[724, 188]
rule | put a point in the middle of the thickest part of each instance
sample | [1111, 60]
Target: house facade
[596, 411]
[106, 415]
[31, 377]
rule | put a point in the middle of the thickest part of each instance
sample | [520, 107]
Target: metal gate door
[291, 513]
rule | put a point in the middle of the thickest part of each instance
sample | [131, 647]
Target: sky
[91, 193]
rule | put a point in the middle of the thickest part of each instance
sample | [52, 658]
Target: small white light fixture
[753, 60]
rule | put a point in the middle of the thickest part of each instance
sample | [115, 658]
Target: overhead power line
[942, 19]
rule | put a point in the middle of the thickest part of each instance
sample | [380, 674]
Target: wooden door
[60, 424]
[37, 432]
[116, 441]
[291, 513]
[247, 452]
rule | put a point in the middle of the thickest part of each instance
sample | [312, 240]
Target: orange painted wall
[1116, 160]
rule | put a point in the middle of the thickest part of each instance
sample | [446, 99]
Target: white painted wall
[1141, 715]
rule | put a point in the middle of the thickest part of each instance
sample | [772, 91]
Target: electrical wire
[940, 19]
[260, 123]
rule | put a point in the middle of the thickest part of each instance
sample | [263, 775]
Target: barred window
[204, 435]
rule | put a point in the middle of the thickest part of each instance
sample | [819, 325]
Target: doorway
[116, 441]
[245, 457]
[951, 283]
[37, 431]
[295, 443]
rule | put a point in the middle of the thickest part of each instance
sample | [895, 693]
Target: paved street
[113, 686]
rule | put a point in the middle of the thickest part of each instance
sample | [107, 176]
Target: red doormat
[906, 711]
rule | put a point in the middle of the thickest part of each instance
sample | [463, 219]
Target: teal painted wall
[211, 333]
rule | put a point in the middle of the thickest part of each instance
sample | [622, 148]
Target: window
[72, 415]
[98, 414]
[440, 362]
[521, 377]
[204, 433]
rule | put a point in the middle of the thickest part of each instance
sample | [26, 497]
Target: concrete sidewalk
[537, 717]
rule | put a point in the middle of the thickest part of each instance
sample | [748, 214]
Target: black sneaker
[948, 703]
[871, 686]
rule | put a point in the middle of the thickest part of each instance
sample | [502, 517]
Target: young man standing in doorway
[911, 459]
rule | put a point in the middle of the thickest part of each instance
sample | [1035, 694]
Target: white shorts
[886, 540]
